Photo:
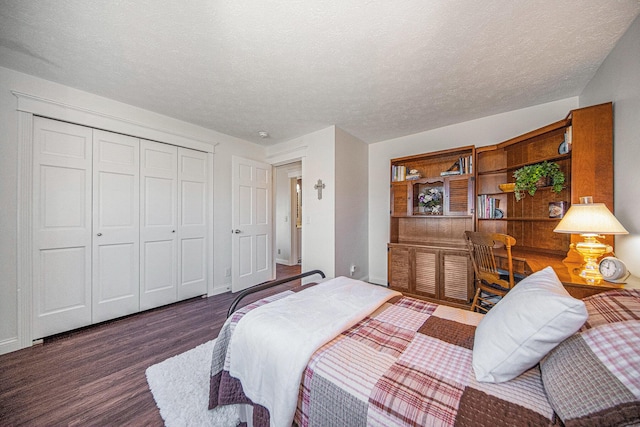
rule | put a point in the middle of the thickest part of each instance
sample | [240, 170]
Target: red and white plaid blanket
[408, 363]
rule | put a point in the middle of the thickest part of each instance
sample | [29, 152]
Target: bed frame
[258, 288]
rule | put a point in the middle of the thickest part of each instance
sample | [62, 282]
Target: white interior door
[116, 221]
[62, 227]
[192, 223]
[251, 221]
[158, 228]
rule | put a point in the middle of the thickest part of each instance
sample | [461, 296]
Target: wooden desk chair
[492, 283]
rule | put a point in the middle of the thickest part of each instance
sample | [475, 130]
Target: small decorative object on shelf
[528, 178]
[557, 209]
[430, 198]
[508, 187]
[413, 174]
[563, 148]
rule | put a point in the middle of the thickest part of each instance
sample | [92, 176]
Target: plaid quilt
[408, 363]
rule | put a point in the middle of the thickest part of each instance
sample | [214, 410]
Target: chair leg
[475, 299]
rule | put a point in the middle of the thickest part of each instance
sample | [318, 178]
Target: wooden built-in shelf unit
[588, 169]
[427, 254]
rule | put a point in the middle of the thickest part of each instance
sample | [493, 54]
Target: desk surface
[567, 272]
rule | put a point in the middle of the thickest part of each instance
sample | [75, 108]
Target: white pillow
[534, 317]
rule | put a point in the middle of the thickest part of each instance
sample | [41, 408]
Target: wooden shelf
[519, 165]
[545, 159]
[520, 219]
[421, 215]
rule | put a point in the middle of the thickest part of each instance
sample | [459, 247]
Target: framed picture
[557, 209]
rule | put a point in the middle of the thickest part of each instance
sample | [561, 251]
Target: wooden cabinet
[588, 169]
[428, 257]
[430, 272]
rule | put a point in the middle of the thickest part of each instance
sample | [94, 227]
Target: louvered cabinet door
[425, 272]
[457, 277]
[399, 268]
[458, 195]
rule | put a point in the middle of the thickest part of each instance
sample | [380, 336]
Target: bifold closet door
[116, 222]
[61, 226]
[192, 220]
[158, 224]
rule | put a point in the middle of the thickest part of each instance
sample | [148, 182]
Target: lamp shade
[589, 218]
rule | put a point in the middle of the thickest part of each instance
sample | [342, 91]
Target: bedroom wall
[317, 153]
[143, 120]
[618, 80]
[334, 229]
[480, 132]
[351, 206]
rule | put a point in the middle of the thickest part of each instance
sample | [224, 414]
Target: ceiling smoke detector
[263, 134]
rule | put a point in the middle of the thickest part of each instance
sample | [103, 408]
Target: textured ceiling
[377, 69]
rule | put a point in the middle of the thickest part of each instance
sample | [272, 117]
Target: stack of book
[487, 206]
[398, 173]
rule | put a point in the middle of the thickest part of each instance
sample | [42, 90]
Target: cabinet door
[116, 225]
[459, 195]
[425, 272]
[61, 227]
[457, 276]
[192, 223]
[400, 195]
[158, 224]
[399, 266]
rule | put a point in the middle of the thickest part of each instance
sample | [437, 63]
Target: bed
[411, 362]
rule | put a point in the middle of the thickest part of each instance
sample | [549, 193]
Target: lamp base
[591, 249]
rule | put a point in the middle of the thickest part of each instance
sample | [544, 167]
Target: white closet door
[116, 221]
[192, 220]
[158, 237]
[61, 227]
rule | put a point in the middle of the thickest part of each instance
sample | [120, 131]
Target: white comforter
[272, 344]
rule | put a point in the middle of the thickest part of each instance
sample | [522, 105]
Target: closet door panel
[192, 220]
[61, 227]
[116, 222]
[159, 221]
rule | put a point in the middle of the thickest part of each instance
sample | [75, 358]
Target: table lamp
[590, 220]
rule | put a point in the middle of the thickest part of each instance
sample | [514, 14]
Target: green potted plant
[528, 178]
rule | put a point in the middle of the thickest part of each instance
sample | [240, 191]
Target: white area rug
[180, 387]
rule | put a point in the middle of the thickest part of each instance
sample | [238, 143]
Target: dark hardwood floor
[96, 375]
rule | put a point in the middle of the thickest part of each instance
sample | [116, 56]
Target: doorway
[288, 214]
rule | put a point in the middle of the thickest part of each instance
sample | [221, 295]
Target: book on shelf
[487, 207]
[398, 173]
[462, 166]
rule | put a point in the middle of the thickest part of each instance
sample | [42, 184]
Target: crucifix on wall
[319, 186]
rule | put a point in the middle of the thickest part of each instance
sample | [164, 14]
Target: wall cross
[319, 186]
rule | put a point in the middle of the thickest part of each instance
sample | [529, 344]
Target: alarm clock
[613, 270]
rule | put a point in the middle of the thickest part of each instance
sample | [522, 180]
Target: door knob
[236, 231]
[173, 231]
[99, 234]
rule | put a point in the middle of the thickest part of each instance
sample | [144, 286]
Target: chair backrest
[481, 247]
